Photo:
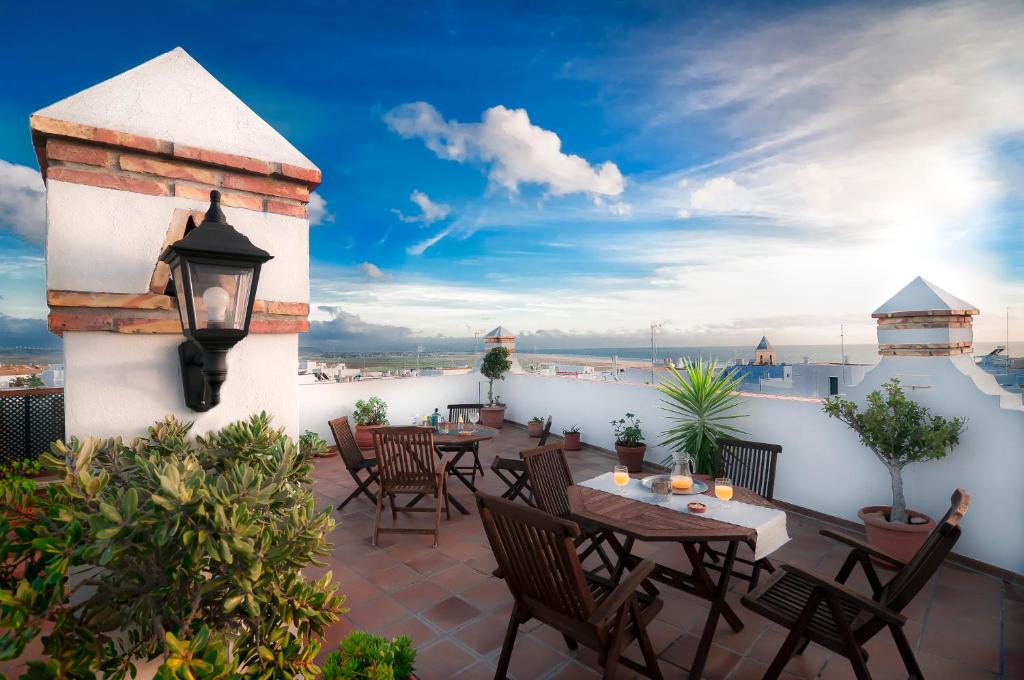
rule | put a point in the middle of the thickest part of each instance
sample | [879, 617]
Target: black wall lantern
[215, 271]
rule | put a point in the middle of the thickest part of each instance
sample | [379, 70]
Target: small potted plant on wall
[494, 367]
[571, 436]
[535, 427]
[899, 432]
[629, 442]
[369, 415]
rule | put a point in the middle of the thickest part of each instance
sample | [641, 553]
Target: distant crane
[655, 326]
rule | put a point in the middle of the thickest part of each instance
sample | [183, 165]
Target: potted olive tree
[629, 442]
[571, 438]
[899, 432]
[369, 415]
[495, 365]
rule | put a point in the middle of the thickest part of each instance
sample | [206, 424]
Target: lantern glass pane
[221, 295]
[179, 289]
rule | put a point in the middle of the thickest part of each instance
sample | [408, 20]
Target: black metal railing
[29, 421]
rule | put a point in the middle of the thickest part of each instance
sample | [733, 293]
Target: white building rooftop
[923, 296]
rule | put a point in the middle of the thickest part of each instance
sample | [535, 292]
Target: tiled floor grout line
[1002, 631]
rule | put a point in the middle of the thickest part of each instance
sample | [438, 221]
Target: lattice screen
[29, 422]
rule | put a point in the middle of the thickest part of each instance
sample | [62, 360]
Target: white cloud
[318, 212]
[621, 209]
[373, 272]
[422, 246]
[430, 211]
[517, 151]
[22, 202]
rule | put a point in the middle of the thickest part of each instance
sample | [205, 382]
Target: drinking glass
[621, 477]
[476, 418]
[723, 491]
[662, 490]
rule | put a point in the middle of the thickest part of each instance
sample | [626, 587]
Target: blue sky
[578, 170]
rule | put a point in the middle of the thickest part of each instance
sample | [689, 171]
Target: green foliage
[17, 486]
[312, 444]
[898, 431]
[495, 365]
[536, 419]
[28, 381]
[370, 657]
[373, 411]
[627, 431]
[574, 429]
[700, 403]
[175, 548]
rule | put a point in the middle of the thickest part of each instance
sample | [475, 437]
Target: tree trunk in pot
[902, 540]
[492, 416]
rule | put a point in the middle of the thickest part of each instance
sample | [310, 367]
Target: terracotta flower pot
[572, 441]
[901, 540]
[631, 456]
[534, 428]
[364, 435]
[492, 416]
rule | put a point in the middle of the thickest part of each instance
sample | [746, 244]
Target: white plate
[698, 487]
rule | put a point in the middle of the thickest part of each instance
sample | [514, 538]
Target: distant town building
[764, 353]
[12, 375]
[503, 337]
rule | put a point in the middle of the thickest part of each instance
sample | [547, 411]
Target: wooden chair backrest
[545, 433]
[467, 411]
[748, 464]
[345, 441]
[549, 478]
[903, 587]
[537, 557]
[405, 455]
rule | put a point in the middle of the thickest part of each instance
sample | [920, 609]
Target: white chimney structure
[126, 163]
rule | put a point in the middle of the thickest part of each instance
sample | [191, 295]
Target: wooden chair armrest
[865, 603]
[862, 545]
[623, 591]
[441, 467]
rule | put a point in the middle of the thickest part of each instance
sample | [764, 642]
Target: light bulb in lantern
[216, 300]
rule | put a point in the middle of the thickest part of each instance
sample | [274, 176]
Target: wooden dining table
[465, 442]
[639, 521]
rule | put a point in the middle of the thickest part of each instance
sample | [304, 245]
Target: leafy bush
[494, 367]
[373, 411]
[899, 432]
[175, 547]
[312, 444]
[536, 419]
[17, 487]
[370, 657]
[700, 401]
[575, 429]
[627, 431]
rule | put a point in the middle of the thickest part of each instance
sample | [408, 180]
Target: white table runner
[769, 523]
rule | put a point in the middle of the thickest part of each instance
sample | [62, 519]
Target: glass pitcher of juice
[682, 471]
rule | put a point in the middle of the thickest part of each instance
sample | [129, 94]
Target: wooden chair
[410, 466]
[513, 473]
[550, 476]
[536, 554]
[752, 466]
[467, 411]
[545, 433]
[818, 609]
[355, 463]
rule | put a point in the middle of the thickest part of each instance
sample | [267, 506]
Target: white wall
[119, 384]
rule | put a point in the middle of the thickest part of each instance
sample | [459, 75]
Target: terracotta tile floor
[964, 625]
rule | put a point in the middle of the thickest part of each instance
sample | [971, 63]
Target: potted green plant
[571, 438]
[312, 444]
[535, 427]
[495, 365]
[700, 403]
[363, 656]
[369, 415]
[170, 550]
[18, 492]
[899, 432]
[629, 442]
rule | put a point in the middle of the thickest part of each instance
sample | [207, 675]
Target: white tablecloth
[769, 523]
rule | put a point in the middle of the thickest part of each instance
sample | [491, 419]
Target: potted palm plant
[700, 403]
[899, 432]
[495, 365]
[369, 415]
[629, 442]
[571, 437]
[535, 427]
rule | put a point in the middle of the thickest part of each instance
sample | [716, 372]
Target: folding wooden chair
[467, 411]
[513, 473]
[354, 461]
[410, 466]
[752, 466]
[536, 553]
[550, 477]
[819, 609]
[545, 433]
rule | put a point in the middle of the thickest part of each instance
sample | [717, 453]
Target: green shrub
[627, 431]
[495, 365]
[312, 444]
[373, 411]
[574, 429]
[174, 547]
[536, 419]
[370, 657]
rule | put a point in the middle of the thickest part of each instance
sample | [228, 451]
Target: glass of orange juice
[620, 476]
[723, 491]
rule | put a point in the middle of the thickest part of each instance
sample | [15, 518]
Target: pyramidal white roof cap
[173, 98]
[764, 344]
[924, 296]
[500, 332]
